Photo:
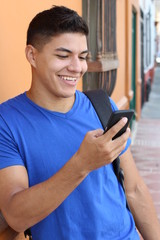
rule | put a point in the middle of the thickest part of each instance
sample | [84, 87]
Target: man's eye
[83, 58]
[62, 56]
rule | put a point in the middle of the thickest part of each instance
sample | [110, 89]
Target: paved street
[146, 142]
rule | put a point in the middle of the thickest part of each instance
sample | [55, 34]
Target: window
[102, 59]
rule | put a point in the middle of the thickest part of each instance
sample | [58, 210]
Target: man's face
[60, 64]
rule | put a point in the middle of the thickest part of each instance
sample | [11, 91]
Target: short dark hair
[52, 22]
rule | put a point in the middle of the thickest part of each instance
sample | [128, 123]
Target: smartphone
[116, 117]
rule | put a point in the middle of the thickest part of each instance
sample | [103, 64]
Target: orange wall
[15, 72]
[122, 93]
[119, 91]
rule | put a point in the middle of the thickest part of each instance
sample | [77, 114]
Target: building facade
[148, 45]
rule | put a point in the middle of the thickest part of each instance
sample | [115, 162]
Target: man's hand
[98, 149]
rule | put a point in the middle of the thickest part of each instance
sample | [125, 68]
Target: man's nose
[75, 65]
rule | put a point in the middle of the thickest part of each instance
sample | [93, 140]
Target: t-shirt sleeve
[9, 153]
[114, 108]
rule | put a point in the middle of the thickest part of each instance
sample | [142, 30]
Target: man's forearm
[144, 213]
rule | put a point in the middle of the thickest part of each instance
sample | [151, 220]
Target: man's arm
[23, 207]
[139, 199]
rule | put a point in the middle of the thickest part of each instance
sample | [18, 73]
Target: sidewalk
[146, 142]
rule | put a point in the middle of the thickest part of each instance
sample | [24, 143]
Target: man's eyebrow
[61, 49]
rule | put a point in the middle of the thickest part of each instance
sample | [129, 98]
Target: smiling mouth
[67, 78]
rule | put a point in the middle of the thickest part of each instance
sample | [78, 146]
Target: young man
[56, 172]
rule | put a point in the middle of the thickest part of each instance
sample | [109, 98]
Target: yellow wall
[15, 16]
[122, 93]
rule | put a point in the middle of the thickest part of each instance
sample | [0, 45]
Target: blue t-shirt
[43, 141]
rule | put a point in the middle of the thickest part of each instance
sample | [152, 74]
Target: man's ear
[30, 52]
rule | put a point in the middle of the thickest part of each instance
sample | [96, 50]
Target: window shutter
[102, 58]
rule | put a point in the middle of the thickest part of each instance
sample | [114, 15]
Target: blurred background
[124, 59]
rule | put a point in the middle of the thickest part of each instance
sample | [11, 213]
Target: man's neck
[62, 105]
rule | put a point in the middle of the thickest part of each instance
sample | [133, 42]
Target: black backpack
[101, 103]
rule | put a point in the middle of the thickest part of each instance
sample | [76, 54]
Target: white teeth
[69, 78]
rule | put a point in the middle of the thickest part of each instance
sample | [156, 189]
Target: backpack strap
[27, 233]
[101, 102]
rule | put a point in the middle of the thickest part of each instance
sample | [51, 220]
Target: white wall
[147, 6]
